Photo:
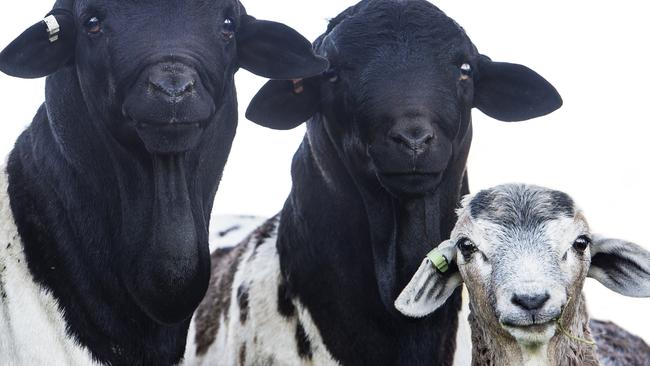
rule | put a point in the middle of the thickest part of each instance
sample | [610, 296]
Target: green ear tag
[438, 260]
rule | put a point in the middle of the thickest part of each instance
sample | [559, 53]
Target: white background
[595, 148]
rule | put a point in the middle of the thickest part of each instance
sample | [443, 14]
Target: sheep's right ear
[430, 288]
[285, 104]
[621, 266]
[42, 49]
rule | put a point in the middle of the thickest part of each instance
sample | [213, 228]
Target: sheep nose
[172, 80]
[530, 302]
[416, 137]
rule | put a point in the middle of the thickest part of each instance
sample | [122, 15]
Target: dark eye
[466, 247]
[93, 25]
[331, 75]
[582, 243]
[465, 71]
[228, 29]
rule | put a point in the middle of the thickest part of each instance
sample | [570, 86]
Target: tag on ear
[432, 284]
[42, 49]
[285, 104]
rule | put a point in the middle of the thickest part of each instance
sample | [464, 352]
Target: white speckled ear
[621, 266]
[429, 288]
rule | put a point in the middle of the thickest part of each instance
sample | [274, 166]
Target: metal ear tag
[438, 260]
[53, 28]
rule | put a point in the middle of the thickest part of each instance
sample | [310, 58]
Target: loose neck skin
[87, 207]
[337, 232]
[496, 347]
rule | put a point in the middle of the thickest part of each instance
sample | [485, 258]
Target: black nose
[416, 136]
[530, 301]
[172, 80]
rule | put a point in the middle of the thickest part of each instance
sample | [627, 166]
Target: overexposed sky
[595, 148]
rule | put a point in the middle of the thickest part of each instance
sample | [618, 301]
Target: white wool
[32, 328]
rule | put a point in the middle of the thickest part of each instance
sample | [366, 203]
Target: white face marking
[521, 276]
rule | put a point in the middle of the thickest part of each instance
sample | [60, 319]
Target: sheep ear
[285, 104]
[511, 92]
[276, 51]
[621, 266]
[41, 50]
[430, 288]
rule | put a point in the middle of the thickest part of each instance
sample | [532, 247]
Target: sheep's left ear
[621, 266]
[42, 49]
[511, 92]
[430, 287]
[276, 51]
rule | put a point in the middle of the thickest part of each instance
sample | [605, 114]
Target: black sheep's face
[158, 73]
[400, 106]
[159, 70]
[397, 98]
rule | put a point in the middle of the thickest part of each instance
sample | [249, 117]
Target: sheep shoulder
[248, 316]
[32, 327]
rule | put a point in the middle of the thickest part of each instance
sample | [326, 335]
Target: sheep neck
[492, 347]
[335, 229]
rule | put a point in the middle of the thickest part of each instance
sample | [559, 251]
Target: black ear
[511, 92]
[40, 50]
[285, 104]
[275, 51]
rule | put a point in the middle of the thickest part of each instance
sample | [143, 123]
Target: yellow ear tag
[438, 260]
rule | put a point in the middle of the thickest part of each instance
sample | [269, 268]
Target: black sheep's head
[157, 73]
[397, 98]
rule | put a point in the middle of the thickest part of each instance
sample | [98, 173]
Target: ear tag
[438, 260]
[53, 28]
[298, 86]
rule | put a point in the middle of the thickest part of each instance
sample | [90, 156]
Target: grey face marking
[519, 206]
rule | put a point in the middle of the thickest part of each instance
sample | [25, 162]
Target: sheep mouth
[533, 334]
[410, 183]
[170, 138]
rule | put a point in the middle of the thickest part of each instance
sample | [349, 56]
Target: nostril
[412, 141]
[424, 140]
[173, 86]
[530, 301]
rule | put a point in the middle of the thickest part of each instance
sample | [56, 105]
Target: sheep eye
[93, 25]
[228, 30]
[466, 247]
[582, 243]
[331, 75]
[465, 71]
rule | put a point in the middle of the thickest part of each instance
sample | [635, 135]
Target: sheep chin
[533, 336]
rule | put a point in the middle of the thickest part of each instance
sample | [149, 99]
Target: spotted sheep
[106, 198]
[524, 252]
[375, 183]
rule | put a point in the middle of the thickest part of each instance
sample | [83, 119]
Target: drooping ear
[430, 287]
[275, 51]
[285, 104]
[42, 49]
[621, 266]
[511, 92]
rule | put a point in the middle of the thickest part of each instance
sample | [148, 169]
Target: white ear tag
[53, 28]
